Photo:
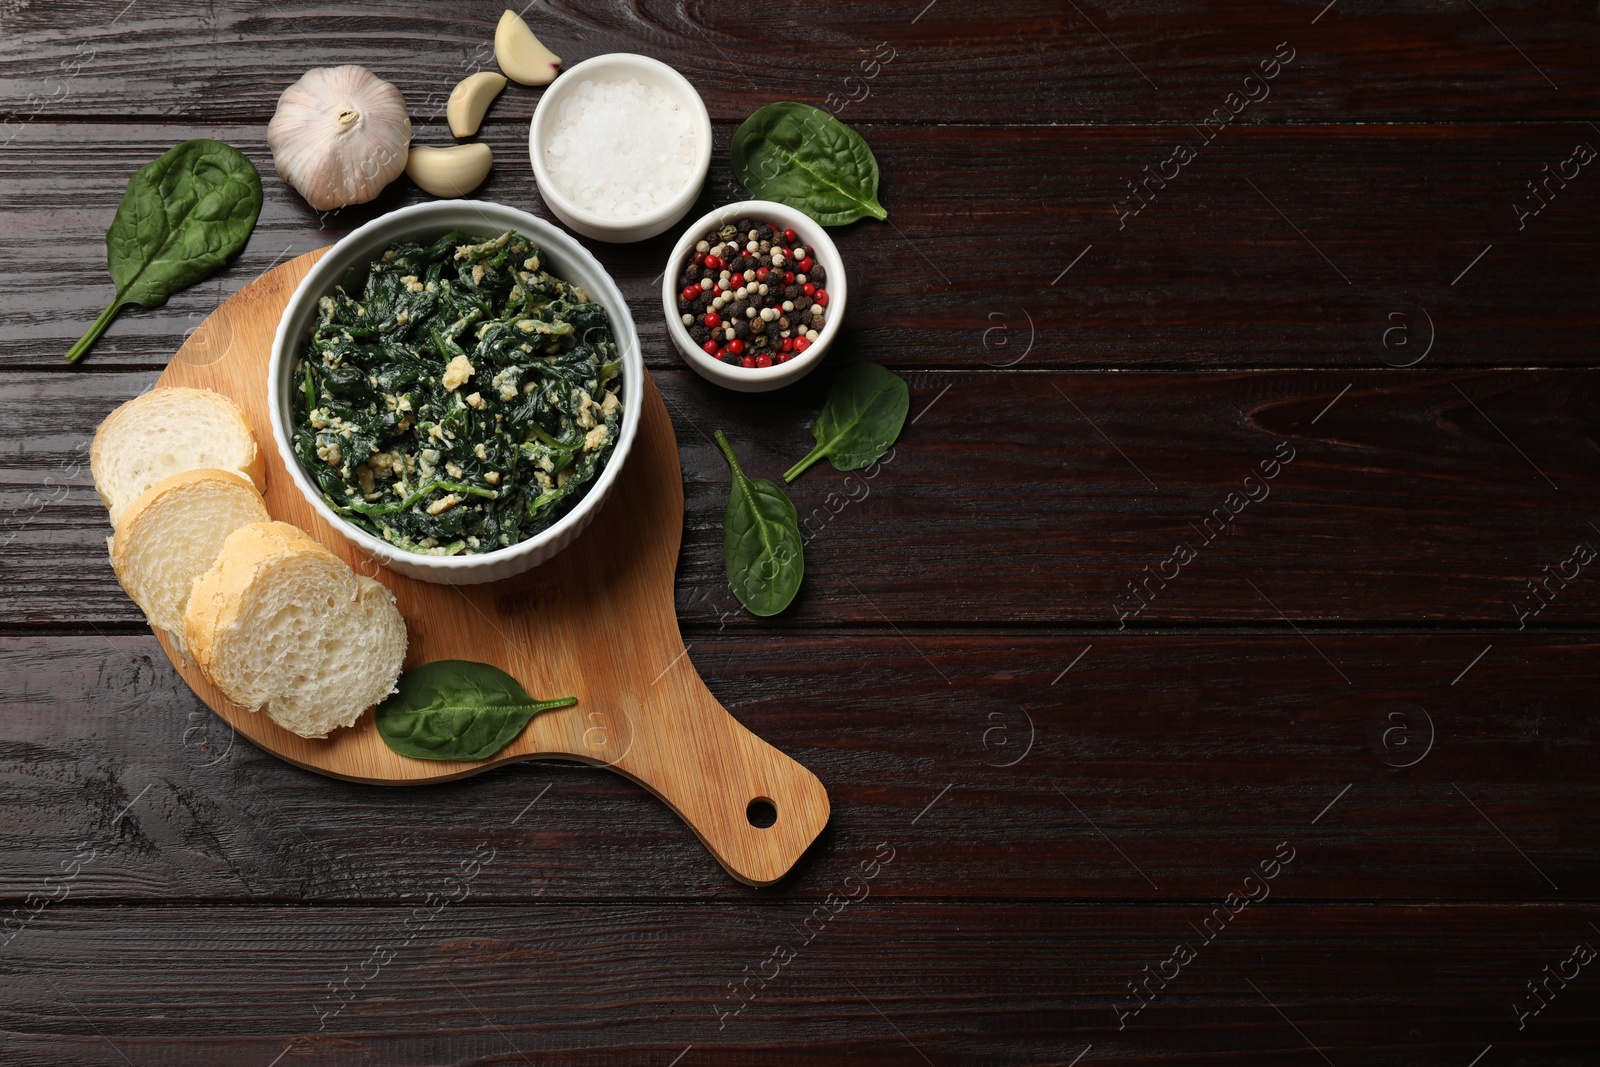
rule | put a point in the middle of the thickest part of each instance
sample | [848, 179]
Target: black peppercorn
[757, 339]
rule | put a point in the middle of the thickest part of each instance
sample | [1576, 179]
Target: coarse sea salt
[620, 149]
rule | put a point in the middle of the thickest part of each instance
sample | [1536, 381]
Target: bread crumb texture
[282, 625]
[165, 432]
[173, 533]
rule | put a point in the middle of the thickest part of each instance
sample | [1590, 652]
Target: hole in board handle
[761, 812]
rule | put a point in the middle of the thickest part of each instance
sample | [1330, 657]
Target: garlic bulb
[339, 136]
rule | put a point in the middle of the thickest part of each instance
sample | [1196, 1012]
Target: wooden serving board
[596, 622]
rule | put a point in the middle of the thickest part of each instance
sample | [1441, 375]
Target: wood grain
[972, 269]
[902, 985]
[1175, 758]
[1076, 417]
[1028, 61]
[1021, 498]
[595, 623]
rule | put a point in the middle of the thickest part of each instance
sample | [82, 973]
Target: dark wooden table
[1324, 389]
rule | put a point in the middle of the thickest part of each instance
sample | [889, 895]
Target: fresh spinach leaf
[864, 413]
[183, 216]
[761, 547]
[457, 709]
[797, 155]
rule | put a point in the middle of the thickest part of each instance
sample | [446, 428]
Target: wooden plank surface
[1032, 61]
[1037, 498]
[1153, 769]
[1074, 759]
[1012, 983]
[1347, 246]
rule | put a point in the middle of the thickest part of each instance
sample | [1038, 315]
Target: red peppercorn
[709, 348]
[801, 344]
[790, 236]
[763, 361]
[713, 320]
[736, 346]
[716, 290]
[761, 274]
[806, 264]
[821, 297]
[747, 361]
[788, 277]
[712, 262]
[783, 357]
[808, 289]
[787, 345]
[690, 292]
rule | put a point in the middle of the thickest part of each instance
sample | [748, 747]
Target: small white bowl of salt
[621, 144]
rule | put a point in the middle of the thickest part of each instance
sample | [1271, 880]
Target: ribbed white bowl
[563, 257]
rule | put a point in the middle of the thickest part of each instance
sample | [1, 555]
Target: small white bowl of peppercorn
[754, 294]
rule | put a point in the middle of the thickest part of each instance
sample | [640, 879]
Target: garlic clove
[470, 99]
[339, 136]
[520, 54]
[450, 172]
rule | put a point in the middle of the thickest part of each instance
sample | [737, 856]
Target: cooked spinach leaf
[460, 399]
[761, 548]
[457, 709]
[864, 413]
[183, 216]
[801, 156]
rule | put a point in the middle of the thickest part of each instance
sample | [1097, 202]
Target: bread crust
[127, 530]
[218, 595]
[104, 436]
[134, 551]
[222, 606]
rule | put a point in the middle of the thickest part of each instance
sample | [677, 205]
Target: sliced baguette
[281, 624]
[165, 432]
[172, 534]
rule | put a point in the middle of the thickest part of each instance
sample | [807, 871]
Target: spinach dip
[462, 402]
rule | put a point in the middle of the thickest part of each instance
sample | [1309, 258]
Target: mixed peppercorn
[752, 295]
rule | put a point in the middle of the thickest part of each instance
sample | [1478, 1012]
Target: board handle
[756, 808]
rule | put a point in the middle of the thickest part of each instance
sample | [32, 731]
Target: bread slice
[281, 624]
[165, 432]
[172, 534]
